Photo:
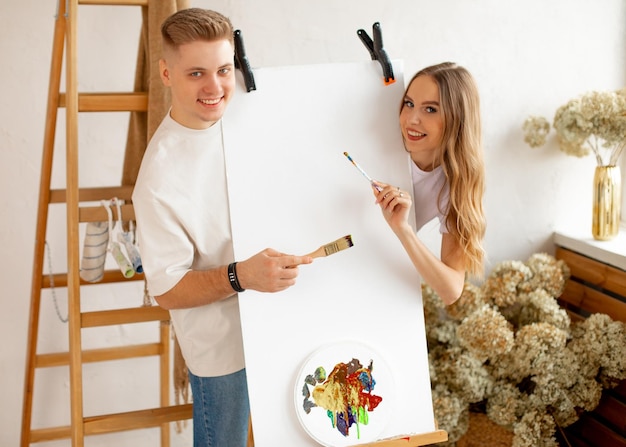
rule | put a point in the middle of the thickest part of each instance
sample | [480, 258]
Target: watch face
[344, 394]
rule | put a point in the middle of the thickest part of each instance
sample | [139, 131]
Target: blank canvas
[291, 188]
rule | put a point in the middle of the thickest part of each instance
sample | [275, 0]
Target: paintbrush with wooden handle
[333, 247]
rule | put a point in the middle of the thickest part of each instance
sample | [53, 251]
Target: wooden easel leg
[164, 363]
[250, 434]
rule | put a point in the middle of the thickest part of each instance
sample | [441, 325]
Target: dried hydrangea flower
[586, 393]
[485, 333]
[502, 367]
[594, 122]
[572, 128]
[564, 368]
[451, 413]
[500, 287]
[442, 333]
[564, 412]
[471, 299]
[601, 342]
[463, 374]
[613, 360]
[529, 402]
[535, 346]
[548, 389]
[536, 129]
[503, 405]
[543, 307]
[536, 429]
[473, 380]
[548, 273]
[441, 358]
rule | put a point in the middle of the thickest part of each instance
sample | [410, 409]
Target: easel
[281, 83]
[410, 441]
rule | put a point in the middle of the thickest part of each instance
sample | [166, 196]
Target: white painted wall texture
[528, 57]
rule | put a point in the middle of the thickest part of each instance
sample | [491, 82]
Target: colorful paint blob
[346, 395]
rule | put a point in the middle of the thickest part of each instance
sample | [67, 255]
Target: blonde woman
[441, 130]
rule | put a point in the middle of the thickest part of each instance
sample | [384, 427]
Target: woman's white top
[426, 192]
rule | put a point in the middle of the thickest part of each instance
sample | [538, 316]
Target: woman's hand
[395, 205]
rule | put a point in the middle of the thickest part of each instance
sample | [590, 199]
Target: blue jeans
[220, 410]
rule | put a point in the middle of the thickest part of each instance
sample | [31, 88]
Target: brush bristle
[338, 245]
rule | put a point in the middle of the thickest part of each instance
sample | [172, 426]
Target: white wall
[529, 57]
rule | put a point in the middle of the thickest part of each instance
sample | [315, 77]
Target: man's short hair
[192, 24]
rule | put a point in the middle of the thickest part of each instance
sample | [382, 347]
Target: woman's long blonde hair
[461, 157]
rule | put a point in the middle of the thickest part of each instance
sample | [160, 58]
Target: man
[183, 225]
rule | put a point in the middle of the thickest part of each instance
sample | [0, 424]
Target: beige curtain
[143, 124]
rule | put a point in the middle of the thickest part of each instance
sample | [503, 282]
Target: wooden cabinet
[596, 287]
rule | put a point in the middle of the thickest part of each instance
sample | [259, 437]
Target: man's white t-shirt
[426, 192]
[183, 224]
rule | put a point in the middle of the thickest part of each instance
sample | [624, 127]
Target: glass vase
[607, 187]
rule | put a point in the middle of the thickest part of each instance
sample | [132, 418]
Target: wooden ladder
[75, 198]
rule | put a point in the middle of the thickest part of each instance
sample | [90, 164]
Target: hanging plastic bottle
[126, 238]
[114, 248]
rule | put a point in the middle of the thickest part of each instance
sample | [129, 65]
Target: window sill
[611, 252]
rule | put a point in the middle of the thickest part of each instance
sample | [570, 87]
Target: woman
[441, 130]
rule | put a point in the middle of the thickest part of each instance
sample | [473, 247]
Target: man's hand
[270, 270]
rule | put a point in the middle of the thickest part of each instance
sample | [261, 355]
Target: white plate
[321, 421]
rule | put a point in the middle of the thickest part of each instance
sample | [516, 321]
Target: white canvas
[291, 188]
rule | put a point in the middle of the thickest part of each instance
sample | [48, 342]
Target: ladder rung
[94, 194]
[118, 422]
[99, 355]
[114, 2]
[49, 434]
[124, 316]
[109, 102]
[99, 214]
[110, 276]
[137, 419]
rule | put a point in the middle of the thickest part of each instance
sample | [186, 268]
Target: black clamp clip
[377, 52]
[242, 63]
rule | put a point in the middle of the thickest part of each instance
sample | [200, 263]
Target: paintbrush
[333, 247]
[362, 172]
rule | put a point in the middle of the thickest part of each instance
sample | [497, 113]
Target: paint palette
[344, 394]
